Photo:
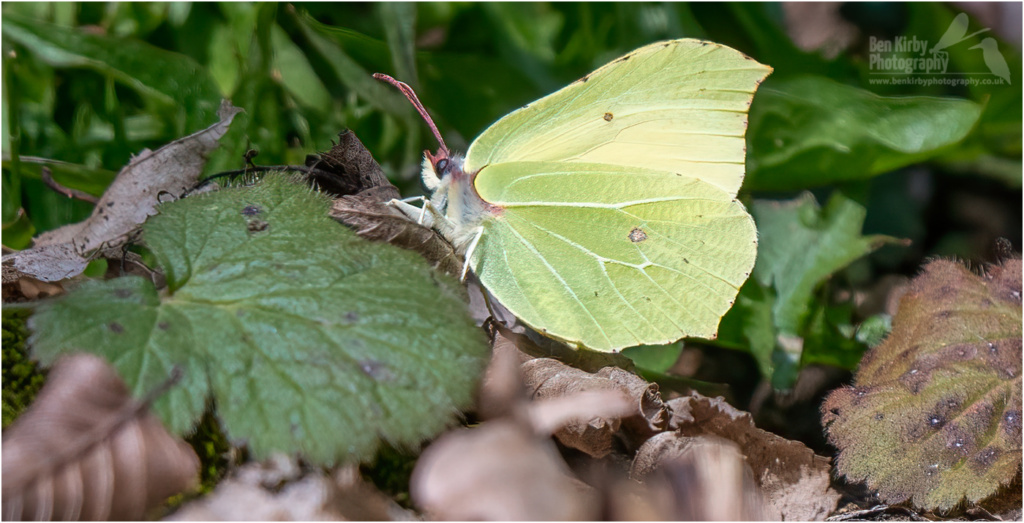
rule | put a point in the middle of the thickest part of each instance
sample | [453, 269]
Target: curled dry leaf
[700, 478]
[498, 471]
[934, 415]
[794, 481]
[377, 221]
[132, 197]
[278, 489]
[348, 168]
[85, 450]
[644, 416]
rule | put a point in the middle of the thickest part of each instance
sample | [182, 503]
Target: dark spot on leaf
[984, 459]
[879, 416]
[608, 117]
[1011, 424]
[122, 293]
[637, 235]
[115, 327]
[351, 317]
[110, 204]
[257, 226]
[163, 325]
[595, 294]
[685, 260]
[251, 210]
[377, 370]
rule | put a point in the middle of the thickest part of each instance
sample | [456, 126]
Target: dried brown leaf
[377, 221]
[498, 471]
[85, 450]
[699, 478]
[278, 489]
[348, 168]
[794, 480]
[548, 379]
[130, 199]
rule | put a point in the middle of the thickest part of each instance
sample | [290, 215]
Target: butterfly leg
[405, 206]
[477, 233]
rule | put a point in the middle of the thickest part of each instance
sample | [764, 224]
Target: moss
[215, 452]
[22, 377]
[391, 473]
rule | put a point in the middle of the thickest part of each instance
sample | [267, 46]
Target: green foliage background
[88, 84]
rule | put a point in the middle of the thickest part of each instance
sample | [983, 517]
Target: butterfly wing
[610, 257]
[678, 106]
[614, 220]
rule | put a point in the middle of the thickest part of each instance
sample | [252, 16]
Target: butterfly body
[605, 214]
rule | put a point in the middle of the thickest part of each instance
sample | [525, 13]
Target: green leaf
[811, 131]
[654, 358]
[168, 78]
[801, 244]
[308, 338]
[297, 76]
[749, 325]
[934, 415]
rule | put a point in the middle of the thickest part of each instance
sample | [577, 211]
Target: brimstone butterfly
[605, 214]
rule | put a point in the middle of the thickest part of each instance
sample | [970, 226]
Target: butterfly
[605, 215]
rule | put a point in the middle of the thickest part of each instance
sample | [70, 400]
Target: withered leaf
[498, 471]
[278, 489]
[85, 450]
[376, 221]
[348, 168]
[132, 197]
[934, 415]
[547, 378]
[699, 478]
[794, 480]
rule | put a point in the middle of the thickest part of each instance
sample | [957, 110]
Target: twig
[47, 176]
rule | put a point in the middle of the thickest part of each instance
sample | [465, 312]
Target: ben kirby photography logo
[913, 56]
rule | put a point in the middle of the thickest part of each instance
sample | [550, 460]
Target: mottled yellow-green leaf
[934, 412]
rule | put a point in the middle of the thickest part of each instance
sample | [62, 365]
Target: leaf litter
[86, 450]
[133, 197]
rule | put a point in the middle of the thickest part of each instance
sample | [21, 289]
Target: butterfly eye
[442, 165]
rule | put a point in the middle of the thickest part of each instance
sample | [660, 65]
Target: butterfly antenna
[411, 95]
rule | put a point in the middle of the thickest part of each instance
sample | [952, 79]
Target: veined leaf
[934, 415]
[811, 131]
[308, 338]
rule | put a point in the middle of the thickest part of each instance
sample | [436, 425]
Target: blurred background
[933, 163]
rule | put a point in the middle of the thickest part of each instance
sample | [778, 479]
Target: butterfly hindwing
[610, 257]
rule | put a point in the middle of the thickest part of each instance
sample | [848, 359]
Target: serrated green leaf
[934, 415]
[811, 131]
[801, 244]
[308, 338]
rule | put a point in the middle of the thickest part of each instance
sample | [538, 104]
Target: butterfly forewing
[676, 106]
